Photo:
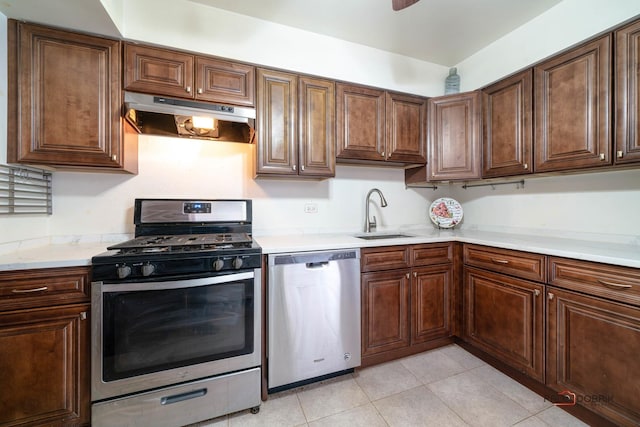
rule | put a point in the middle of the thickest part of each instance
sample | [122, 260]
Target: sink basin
[381, 236]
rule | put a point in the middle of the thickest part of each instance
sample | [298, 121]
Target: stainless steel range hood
[162, 116]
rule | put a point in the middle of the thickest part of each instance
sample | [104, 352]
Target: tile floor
[442, 387]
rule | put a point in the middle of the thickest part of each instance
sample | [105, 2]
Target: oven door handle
[177, 284]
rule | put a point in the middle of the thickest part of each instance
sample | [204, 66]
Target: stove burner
[183, 243]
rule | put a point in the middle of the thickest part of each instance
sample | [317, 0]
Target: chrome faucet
[370, 226]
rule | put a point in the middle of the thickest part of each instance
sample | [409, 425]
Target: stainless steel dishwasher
[313, 316]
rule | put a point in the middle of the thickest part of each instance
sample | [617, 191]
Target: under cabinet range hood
[162, 116]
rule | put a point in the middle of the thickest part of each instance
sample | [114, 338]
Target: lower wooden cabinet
[503, 316]
[44, 348]
[431, 288]
[592, 352]
[44, 368]
[406, 299]
[385, 311]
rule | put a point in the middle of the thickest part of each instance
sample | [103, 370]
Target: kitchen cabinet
[379, 126]
[593, 337]
[454, 137]
[454, 146]
[160, 71]
[627, 94]
[65, 100]
[406, 300]
[295, 125]
[44, 347]
[508, 129]
[503, 311]
[572, 102]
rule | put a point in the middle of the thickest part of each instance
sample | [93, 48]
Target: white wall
[562, 26]
[98, 204]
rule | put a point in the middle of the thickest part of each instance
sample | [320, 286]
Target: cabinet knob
[200, 90]
[526, 166]
[382, 154]
[551, 296]
[114, 158]
[536, 292]
[601, 156]
[302, 167]
[619, 154]
[415, 274]
[83, 315]
[188, 89]
[407, 275]
[294, 167]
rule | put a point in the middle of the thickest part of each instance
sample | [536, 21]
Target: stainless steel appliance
[176, 321]
[314, 316]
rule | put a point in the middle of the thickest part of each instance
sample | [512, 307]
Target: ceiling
[440, 31]
[443, 32]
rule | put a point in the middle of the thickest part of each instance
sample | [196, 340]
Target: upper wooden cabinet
[65, 100]
[172, 73]
[572, 102]
[295, 125]
[375, 125]
[508, 129]
[454, 137]
[627, 89]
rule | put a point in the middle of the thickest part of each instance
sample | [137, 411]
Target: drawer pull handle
[500, 261]
[614, 285]
[28, 291]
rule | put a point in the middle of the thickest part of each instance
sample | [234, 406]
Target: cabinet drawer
[431, 254]
[43, 287]
[385, 258]
[620, 284]
[514, 263]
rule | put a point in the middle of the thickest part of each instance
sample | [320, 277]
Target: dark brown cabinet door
[508, 128]
[627, 81]
[224, 81]
[385, 311]
[167, 72]
[503, 316]
[454, 137]
[406, 120]
[430, 303]
[64, 99]
[593, 348]
[44, 367]
[573, 108]
[158, 71]
[360, 122]
[317, 127]
[277, 108]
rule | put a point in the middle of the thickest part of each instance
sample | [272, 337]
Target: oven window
[150, 331]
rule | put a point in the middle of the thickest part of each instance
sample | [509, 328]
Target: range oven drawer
[183, 404]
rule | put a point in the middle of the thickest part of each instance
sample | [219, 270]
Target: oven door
[154, 334]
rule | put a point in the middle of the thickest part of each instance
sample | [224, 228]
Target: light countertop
[623, 254]
[627, 254]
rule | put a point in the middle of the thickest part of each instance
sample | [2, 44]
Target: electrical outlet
[311, 208]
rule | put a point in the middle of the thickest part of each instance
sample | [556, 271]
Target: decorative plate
[445, 212]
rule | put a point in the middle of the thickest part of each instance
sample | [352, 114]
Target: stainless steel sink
[381, 236]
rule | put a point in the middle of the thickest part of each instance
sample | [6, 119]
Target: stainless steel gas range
[176, 316]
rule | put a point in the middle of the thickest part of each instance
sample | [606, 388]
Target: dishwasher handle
[316, 265]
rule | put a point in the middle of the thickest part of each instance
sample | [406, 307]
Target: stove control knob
[237, 263]
[148, 269]
[123, 271]
[218, 264]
